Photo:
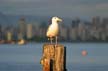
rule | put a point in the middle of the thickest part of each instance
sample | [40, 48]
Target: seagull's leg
[56, 39]
[51, 39]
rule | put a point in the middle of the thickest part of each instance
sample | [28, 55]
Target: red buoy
[84, 53]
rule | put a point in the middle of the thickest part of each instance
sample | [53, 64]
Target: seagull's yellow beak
[59, 20]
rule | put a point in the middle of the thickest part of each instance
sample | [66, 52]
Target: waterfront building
[29, 31]
[22, 28]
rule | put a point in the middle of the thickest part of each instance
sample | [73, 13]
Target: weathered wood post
[54, 57]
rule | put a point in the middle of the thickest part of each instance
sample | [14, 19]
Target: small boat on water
[21, 42]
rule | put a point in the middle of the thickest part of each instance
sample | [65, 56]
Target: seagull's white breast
[53, 30]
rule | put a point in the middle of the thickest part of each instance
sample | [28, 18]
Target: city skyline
[78, 30]
[63, 8]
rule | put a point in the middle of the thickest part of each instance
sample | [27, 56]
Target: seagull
[53, 29]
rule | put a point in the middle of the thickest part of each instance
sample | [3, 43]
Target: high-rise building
[105, 21]
[105, 26]
[106, 29]
[96, 20]
[73, 33]
[1, 32]
[63, 34]
[75, 22]
[9, 36]
[36, 29]
[22, 28]
[29, 31]
[82, 31]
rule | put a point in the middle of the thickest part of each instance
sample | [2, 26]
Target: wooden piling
[54, 57]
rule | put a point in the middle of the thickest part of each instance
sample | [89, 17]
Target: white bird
[53, 29]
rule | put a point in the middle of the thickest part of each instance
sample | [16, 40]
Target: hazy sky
[68, 8]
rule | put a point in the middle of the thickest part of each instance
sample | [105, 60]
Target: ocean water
[14, 57]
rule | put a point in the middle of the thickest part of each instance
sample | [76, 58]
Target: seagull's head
[56, 19]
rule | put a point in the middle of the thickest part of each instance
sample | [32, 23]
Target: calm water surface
[27, 57]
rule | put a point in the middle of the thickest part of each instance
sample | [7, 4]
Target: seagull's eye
[55, 18]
